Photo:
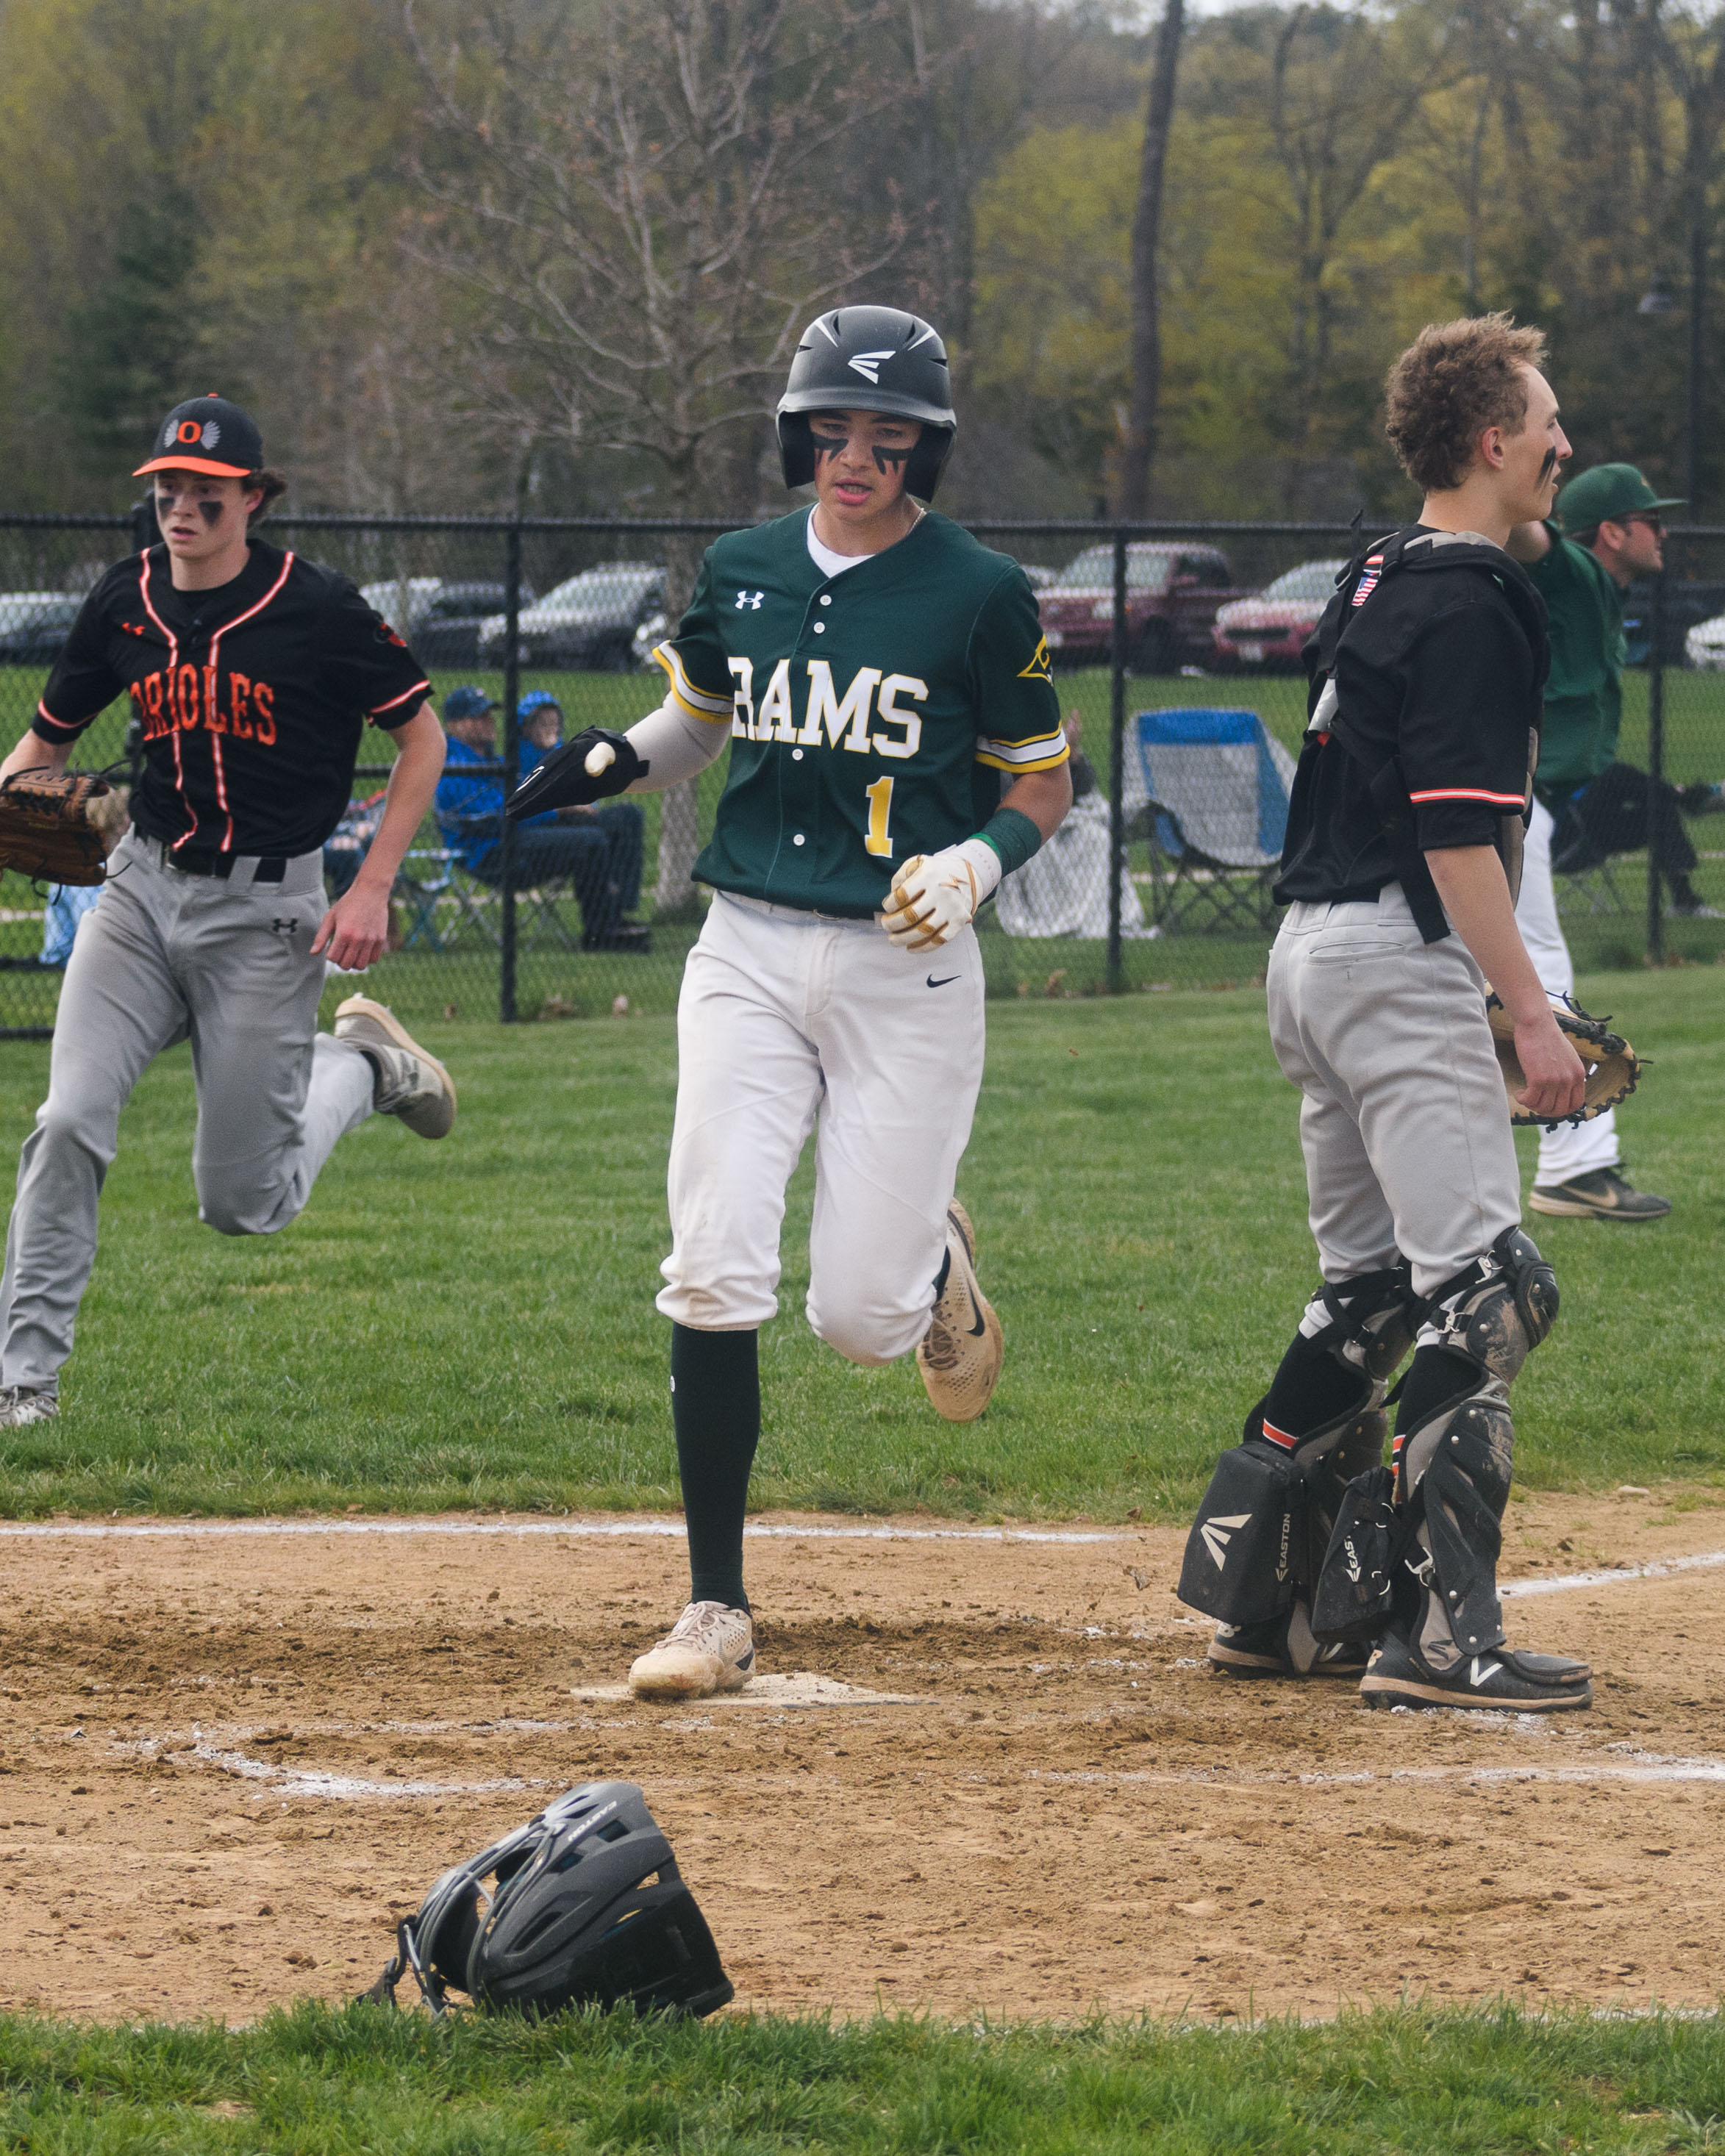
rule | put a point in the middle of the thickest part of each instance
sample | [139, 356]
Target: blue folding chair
[1213, 786]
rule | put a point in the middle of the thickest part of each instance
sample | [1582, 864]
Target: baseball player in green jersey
[878, 675]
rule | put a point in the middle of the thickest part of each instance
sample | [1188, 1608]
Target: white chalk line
[1643, 1767]
[286, 1782]
[1655, 1568]
[216, 1530]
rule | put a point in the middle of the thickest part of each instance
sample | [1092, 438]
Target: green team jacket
[870, 713]
[1583, 697]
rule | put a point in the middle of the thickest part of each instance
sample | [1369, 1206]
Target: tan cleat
[962, 1351]
[710, 1648]
[409, 1083]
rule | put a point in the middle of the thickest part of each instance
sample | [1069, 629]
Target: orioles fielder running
[254, 672]
[875, 670]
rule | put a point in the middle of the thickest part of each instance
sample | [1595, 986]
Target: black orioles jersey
[253, 696]
[1439, 664]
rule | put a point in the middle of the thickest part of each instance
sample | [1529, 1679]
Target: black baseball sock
[715, 1406]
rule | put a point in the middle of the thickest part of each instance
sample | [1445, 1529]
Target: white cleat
[410, 1084]
[963, 1347]
[710, 1648]
[20, 1406]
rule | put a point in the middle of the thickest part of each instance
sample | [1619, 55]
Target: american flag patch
[1368, 583]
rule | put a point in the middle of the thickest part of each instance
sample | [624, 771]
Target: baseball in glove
[1613, 1066]
[47, 831]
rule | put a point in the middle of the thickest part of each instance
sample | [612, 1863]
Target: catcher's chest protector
[1378, 612]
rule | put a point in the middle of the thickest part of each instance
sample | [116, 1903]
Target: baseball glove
[47, 830]
[1613, 1066]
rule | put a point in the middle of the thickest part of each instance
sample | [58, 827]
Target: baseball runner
[252, 673]
[1399, 873]
[876, 672]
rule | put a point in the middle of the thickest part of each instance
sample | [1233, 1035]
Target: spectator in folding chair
[1063, 890]
[539, 717]
[470, 814]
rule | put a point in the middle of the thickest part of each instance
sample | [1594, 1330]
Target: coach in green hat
[1608, 530]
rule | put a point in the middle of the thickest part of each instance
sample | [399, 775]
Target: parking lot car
[588, 621]
[440, 618]
[1704, 646]
[34, 626]
[1173, 593]
[1269, 629]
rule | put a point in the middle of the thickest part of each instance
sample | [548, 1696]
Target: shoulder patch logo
[1368, 583]
[751, 599]
[1041, 667]
[868, 364]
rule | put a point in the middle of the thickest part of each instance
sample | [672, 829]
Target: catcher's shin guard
[1445, 1643]
[1261, 1532]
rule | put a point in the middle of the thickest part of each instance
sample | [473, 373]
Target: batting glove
[593, 766]
[935, 895]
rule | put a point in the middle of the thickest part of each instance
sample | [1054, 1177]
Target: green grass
[318, 2083]
[471, 1323]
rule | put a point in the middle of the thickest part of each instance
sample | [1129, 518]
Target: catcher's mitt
[47, 832]
[1613, 1066]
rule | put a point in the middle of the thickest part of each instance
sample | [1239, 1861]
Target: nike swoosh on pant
[942, 982]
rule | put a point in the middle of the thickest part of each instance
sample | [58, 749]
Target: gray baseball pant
[165, 958]
[1404, 1125]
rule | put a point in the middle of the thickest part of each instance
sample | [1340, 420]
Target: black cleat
[1503, 1678]
[1606, 1193]
[1281, 1647]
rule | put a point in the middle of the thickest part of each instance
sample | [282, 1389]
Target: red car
[1172, 592]
[1269, 630]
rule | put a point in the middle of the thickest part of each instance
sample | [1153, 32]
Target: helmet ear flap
[796, 449]
[922, 467]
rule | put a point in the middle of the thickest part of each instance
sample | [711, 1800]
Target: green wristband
[1013, 837]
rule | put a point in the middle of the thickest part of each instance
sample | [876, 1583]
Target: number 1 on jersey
[879, 797]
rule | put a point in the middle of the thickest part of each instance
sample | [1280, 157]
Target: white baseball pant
[1573, 1149]
[788, 1020]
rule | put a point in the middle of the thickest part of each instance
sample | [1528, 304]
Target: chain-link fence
[1176, 656]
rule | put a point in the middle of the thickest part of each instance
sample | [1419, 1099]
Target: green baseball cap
[1608, 491]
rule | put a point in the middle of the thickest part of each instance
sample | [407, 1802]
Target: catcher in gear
[876, 675]
[253, 674]
[1399, 873]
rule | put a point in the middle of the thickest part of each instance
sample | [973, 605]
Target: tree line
[474, 255]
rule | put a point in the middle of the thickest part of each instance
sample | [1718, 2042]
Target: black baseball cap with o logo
[207, 434]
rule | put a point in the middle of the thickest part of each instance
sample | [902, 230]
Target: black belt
[271, 867]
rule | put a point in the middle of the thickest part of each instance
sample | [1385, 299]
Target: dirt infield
[232, 1758]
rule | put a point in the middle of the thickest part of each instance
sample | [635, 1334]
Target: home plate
[802, 1688]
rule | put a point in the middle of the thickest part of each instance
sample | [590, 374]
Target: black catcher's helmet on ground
[869, 359]
[586, 1906]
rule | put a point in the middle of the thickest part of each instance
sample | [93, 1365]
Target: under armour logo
[868, 364]
[749, 599]
[284, 927]
[1218, 1533]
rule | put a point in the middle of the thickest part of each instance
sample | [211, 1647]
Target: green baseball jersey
[864, 708]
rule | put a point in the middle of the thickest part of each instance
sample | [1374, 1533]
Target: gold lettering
[896, 685]
[775, 707]
[827, 715]
[743, 698]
